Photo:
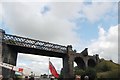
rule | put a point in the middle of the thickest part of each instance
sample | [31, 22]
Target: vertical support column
[97, 58]
[86, 63]
[10, 57]
[2, 32]
[7, 55]
[68, 66]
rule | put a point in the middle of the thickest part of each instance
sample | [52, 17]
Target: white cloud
[97, 10]
[67, 10]
[58, 1]
[105, 1]
[107, 44]
[1, 9]
[42, 0]
[38, 64]
[26, 19]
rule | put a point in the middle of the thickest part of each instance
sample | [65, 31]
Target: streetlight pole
[48, 68]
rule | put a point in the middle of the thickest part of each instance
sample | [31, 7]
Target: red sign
[20, 69]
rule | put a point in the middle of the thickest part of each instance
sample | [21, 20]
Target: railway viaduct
[11, 45]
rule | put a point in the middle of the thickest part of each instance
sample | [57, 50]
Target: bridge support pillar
[86, 63]
[7, 55]
[68, 64]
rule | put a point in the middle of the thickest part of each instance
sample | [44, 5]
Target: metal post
[48, 68]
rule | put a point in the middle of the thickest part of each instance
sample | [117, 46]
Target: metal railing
[31, 43]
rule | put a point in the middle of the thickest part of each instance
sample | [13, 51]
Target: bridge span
[11, 45]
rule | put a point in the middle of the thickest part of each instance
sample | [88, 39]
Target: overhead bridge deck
[27, 45]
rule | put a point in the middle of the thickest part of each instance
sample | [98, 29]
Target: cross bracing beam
[31, 43]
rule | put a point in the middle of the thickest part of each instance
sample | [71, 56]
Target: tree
[91, 72]
[103, 67]
[61, 73]
[78, 71]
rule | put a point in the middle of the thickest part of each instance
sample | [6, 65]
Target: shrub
[91, 72]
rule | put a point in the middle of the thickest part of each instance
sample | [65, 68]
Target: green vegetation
[91, 72]
[78, 71]
[105, 69]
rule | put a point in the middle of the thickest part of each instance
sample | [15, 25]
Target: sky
[86, 23]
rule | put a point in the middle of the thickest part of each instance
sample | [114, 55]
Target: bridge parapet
[31, 43]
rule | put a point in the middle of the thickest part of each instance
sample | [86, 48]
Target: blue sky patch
[45, 9]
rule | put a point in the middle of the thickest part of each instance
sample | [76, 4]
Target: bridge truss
[31, 43]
